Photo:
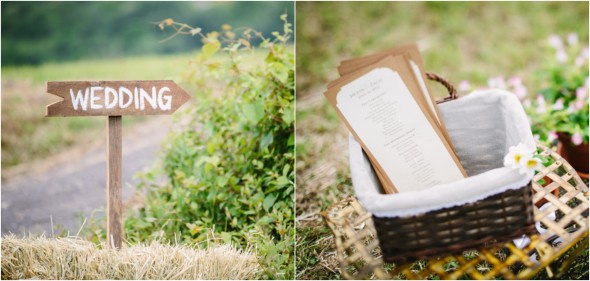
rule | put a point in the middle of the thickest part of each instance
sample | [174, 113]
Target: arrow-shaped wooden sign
[115, 99]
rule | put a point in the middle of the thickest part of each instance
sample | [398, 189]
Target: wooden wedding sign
[115, 99]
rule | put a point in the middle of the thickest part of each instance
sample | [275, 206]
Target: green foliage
[229, 168]
[449, 34]
[562, 103]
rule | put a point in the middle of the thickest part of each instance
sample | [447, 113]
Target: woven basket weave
[484, 223]
[489, 221]
[359, 254]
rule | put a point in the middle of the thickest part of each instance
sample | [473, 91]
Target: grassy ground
[461, 41]
[27, 135]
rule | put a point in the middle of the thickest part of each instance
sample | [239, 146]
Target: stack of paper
[385, 103]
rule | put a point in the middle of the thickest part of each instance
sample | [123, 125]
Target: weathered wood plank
[114, 188]
[115, 98]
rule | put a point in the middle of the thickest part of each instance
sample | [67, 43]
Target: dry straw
[72, 258]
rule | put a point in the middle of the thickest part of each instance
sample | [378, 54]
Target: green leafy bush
[229, 167]
[562, 104]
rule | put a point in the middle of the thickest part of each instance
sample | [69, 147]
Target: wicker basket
[359, 254]
[489, 221]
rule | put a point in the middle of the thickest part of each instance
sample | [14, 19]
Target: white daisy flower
[515, 156]
[528, 165]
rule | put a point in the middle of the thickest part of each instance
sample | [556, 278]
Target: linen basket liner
[482, 126]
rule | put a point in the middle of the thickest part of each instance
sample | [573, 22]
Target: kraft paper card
[415, 59]
[379, 105]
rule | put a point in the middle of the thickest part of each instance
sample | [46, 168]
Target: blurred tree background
[461, 40]
[40, 32]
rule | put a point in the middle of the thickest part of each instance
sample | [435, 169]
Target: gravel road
[68, 188]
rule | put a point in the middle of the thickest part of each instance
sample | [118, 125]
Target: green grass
[132, 68]
[27, 135]
[460, 41]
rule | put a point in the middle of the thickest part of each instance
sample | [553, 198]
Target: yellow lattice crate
[564, 220]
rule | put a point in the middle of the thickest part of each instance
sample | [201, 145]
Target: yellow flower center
[531, 163]
[517, 158]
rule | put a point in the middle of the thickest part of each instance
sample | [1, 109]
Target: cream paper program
[388, 120]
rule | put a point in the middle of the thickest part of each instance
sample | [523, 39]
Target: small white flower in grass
[515, 81]
[555, 41]
[580, 61]
[526, 103]
[572, 39]
[464, 86]
[492, 82]
[561, 56]
[500, 82]
[497, 82]
[520, 91]
[571, 108]
[581, 93]
[577, 139]
[551, 136]
[541, 106]
[558, 105]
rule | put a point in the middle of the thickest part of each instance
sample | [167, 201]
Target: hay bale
[72, 258]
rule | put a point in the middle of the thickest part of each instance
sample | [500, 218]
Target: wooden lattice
[360, 257]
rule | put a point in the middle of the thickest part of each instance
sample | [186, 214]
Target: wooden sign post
[115, 99]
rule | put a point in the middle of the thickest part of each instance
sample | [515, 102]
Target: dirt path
[69, 186]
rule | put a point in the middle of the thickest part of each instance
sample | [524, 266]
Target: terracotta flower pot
[576, 155]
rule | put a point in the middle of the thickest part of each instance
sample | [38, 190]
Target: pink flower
[520, 92]
[579, 104]
[542, 108]
[571, 108]
[551, 136]
[580, 61]
[555, 41]
[464, 86]
[526, 103]
[561, 56]
[515, 81]
[501, 83]
[492, 83]
[558, 105]
[577, 139]
[584, 53]
[572, 39]
[581, 93]
[497, 82]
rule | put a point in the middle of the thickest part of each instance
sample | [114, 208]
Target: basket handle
[437, 78]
